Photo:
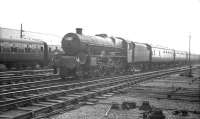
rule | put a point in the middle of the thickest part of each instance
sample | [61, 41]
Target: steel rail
[93, 87]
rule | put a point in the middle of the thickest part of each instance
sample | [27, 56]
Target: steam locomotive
[23, 52]
[88, 56]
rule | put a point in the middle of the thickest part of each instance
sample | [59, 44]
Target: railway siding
[40, 102]
[177, 96]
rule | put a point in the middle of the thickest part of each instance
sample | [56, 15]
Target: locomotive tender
[102, 55]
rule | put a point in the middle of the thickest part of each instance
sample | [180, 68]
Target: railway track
[13, 83]
[41, 82]
[24, 72]
[37, 102]
[24, 78]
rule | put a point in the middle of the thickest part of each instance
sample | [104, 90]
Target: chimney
[79, 31]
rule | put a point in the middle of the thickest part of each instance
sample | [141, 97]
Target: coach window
[20, 47]
[3, 46]
[27, 49]
[36, 48]
[30, 49]
[0, 47]
[13, 48]
[41, 48]
[49, 49]
[24, 46]
[16, 47]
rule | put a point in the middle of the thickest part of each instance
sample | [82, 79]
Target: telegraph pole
[190, 70]
[21, 32]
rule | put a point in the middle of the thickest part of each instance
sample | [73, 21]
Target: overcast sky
[161, 22]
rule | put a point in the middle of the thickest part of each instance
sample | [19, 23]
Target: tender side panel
[141, 53]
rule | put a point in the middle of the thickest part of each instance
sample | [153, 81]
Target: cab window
[49, 49]
[41, 48]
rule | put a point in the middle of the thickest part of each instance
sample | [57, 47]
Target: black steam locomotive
[102, 55]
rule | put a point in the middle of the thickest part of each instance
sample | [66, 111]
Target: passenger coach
[19, 53]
